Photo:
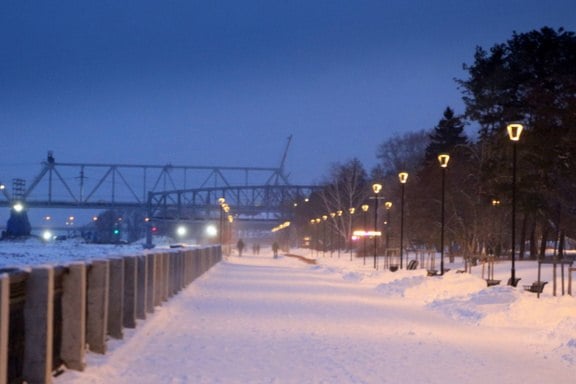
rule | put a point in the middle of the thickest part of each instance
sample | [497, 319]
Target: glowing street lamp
[365, 210]
[223, 205]
[514, 132]
[350, 244]
[403, 177]
[324, 218]
[443, 160]
[332, 228]
[339, 213]
[376, 188]
[388, 206]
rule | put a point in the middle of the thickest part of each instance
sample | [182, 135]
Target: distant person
[240, 247]
[275, 248]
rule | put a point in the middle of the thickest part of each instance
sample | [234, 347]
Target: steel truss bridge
[165, 192]
[253, 203]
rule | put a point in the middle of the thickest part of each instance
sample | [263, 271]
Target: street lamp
[222, 202]
[443, 160]
[324, 218]
[365, 210]
[376, 188]
[388, 206]
[514, 132]
[350, 246]
[332, 227]
[338, 234]
[403, 176]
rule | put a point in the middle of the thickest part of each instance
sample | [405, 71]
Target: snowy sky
[202, 82]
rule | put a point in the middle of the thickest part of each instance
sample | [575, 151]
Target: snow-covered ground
[257, 319]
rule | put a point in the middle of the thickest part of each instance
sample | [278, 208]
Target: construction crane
[279, 175]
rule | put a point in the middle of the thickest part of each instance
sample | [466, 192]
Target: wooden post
[73, 342]
[141, 287]
[38, 325]
[570, 270]
[151, 282]
[97, 306]
[159, 279]
[4, 325]
[129, 291]
[116, 298]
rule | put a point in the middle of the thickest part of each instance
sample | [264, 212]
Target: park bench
[412, 265]
[492, 282]
[434, 272]
[536, 287]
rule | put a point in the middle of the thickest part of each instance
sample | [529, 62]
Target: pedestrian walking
[240, 247]
[275, 248]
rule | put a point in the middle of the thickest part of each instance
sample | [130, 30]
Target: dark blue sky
[192, 82]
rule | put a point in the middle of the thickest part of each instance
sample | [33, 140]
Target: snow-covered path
[263, 320]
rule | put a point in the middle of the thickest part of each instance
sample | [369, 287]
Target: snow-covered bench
[492, 282]
[536, 287]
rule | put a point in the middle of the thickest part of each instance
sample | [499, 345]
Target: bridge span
[162, 192]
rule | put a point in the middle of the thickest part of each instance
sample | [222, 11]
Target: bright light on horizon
[18, 207]
[181, 231]
[211, 230]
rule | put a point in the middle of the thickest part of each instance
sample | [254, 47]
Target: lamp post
[388, 206]
[351, 210]
[324, 218]
[311, 243]
[221, 201]
[332, 227]
[497, 239]
[338, 234]
[443, 160]
[403, 176]
[317, 221]
[365, 210]
[376, 188]
[514, 132]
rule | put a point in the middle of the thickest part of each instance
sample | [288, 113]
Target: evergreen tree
[448, 134]
[531, 78]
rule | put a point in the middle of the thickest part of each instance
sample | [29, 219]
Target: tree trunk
[543, 241]
[523, 237]
[561, 245]
[533, 245]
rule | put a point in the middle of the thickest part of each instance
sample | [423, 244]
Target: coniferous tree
[531, 78]
[448, 134]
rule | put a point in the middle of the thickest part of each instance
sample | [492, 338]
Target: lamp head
[403, 176]
[443, 159]
[514, 131]
[376, 188]
[365, 207]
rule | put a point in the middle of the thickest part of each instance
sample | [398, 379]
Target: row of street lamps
[514, 132]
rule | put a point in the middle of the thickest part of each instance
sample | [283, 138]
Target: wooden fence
[51, 315]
